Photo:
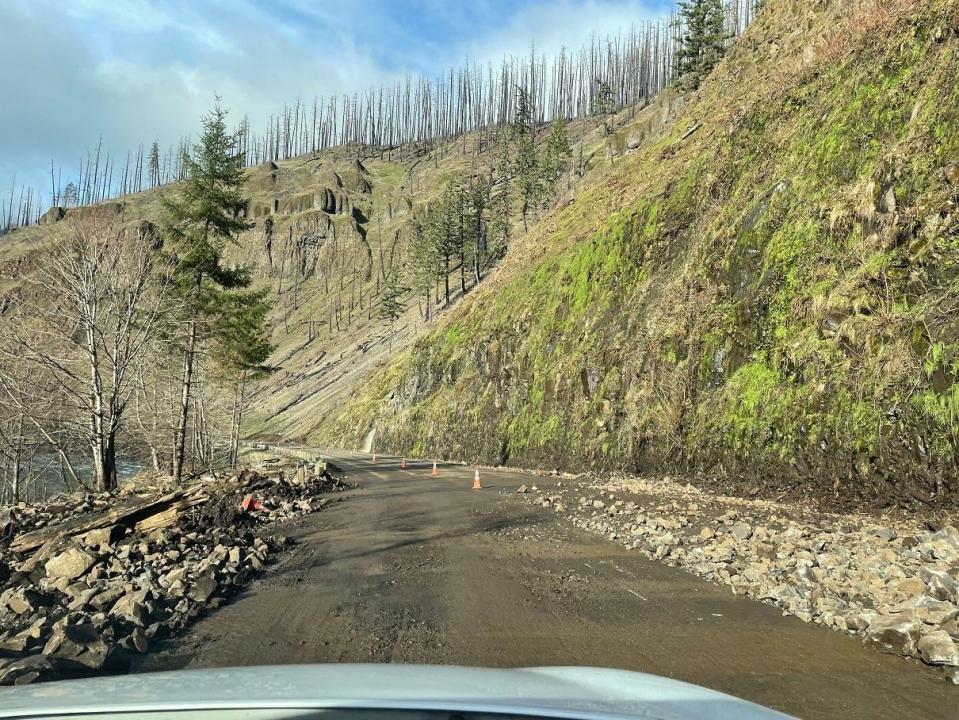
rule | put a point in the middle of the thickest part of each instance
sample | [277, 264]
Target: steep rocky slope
[766, 292]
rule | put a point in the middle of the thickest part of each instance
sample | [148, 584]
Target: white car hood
[560, 692]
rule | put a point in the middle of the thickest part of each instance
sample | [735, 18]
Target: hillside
[766, 293]
[327, 229]
[754, 283]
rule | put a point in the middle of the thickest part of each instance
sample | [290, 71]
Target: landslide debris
[892, 582]
[86, 580]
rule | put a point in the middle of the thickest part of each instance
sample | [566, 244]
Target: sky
[139, 70]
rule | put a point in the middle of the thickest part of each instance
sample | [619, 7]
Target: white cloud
[138, 69]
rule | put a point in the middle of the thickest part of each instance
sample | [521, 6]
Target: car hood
[561, 692]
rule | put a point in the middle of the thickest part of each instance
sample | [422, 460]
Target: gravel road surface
[411, 568]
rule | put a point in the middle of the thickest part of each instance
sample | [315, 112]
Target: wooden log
[127, 512]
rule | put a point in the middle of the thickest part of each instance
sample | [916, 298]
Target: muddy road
[418, 569]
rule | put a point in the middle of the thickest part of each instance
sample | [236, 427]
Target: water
[43, 477]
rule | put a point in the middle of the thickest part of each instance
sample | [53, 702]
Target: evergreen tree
[241, 350]
[69, 195]
[703, 41]
[525, 164]
[605, 105]
[477, 202]
[391, 305]
[557, 153]
[198, 224]
[423, 262]
[154, 164]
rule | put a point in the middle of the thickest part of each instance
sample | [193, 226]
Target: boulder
[203, 587]
[137, 640]
[934, 612]
[942, 545]
[937, 648]
[107, 597]
[16, 643]
[53, 215]
[132, 607]
[941, 585]
[896, 634]
[69, 564]
[883, 533]
[79, 644]
[911, 587]
[101, 538]
[19, 601]
[25, 670]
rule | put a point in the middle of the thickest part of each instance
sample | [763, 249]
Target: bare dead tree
[85, 346]
[634, 65]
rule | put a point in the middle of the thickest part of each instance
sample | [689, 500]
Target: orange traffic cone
[403, 464]
[477, 485]
[435, 471]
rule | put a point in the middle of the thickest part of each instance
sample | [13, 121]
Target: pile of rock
[85, 581]
[895, 586]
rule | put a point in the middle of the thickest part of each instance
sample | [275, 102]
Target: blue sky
[135, 70]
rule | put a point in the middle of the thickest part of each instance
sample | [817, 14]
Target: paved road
[411, 568]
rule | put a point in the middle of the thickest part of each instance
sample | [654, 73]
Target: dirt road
[412, 568]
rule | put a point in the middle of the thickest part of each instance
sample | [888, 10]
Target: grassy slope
[772, 296]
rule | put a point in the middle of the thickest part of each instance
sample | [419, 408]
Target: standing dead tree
[85, 346]
[613, 73]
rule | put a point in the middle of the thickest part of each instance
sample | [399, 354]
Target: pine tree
[605, 105]
[525, 164]
[422, 261]
[198, 224]
[69, 195]
[703, 41]
[154, 164]
[241, 349]
[557, 153]
[391, 305]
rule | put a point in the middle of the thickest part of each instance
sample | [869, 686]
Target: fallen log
[168, 517]
[128, 512]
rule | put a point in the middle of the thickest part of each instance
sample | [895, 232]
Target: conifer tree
[557, 153]
[703, 41]
[525, 164]
[154, 164]
[605, 105]
[423, 262]
[241, 350]
[69, 195]
[198, 224]
[391, 305]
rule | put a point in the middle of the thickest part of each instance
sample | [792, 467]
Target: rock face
[53, 215]
[895, 586]
[69, 603]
